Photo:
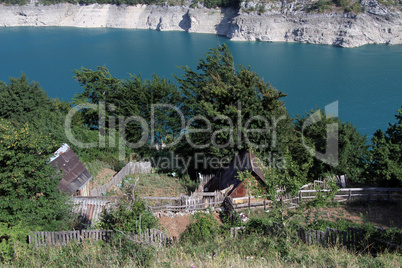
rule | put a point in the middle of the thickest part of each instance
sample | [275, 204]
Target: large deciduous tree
[29, 191]
[386, 154]
[230, 108]
[22, 101]
[350, 155]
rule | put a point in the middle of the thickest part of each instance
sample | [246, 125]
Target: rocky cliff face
[278, 21]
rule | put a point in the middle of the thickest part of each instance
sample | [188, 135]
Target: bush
[259, 226]
[202, 228]
[128, 215]
[141, 255]
[9, 236]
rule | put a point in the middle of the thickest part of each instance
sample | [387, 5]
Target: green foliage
[216, 3]
[129, 215]
[321, 5]
[352, 151]
[386, 155]
[330, 5]
[99, 87]
[28, 185]
[117, 99]
[202, 228]
[339, 224]
[129, 250]
[356, 8]
[324, 198]
[261, 9]
[259, 226]
[21, 100]
[14, 2]
[9, 236]
[340, 3]
[24, 102]
[373, 237]
[220, 94]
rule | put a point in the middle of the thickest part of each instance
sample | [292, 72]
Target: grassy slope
[254, 251]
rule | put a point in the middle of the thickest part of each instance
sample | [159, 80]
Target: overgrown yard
[381, 214]
[154, 184]
[160, 185]
[220, 251]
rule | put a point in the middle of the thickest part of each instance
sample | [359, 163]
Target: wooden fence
[230, 210]
[351, 238]
[150, 236]
[184, 203]
[342, 195]
[130, 168]
[90, 208]
[204, 179]
[62, 238]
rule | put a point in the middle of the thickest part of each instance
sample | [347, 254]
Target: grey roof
[89, 210]
[74, 173]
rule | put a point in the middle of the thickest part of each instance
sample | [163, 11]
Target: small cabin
[226, 178]
[75, 176]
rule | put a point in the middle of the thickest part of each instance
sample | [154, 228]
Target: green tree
[129, 105]
[28, 185]
[152, 100]
[348, 153]
[21, 101]
[234, 106]
[280, 181]
[386, 154]
[100, 87]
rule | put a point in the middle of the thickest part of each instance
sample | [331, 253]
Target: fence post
[350, 194]
[265, 208]
[249, 202]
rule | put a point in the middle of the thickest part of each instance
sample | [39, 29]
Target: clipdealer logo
[242, 130]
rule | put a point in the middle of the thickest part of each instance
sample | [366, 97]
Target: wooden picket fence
[351, 238]
[130, 168]
[150, 236]
[342, 195]
[65, 237]
[185, 203]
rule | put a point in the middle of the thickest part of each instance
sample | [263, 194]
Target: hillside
[336, 22]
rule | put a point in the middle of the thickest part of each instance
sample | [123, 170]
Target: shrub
[9, 236]
[141, 255]
[202, 228]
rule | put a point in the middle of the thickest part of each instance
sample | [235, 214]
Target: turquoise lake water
[366, 81]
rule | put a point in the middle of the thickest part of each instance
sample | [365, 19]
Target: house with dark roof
[227, 178]
[74, 174]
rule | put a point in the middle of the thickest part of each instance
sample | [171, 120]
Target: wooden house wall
[240, 191]
[228, 176]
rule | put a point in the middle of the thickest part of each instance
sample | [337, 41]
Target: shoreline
[375, 26]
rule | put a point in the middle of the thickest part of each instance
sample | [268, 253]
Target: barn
[226, 178]
[75, 176]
